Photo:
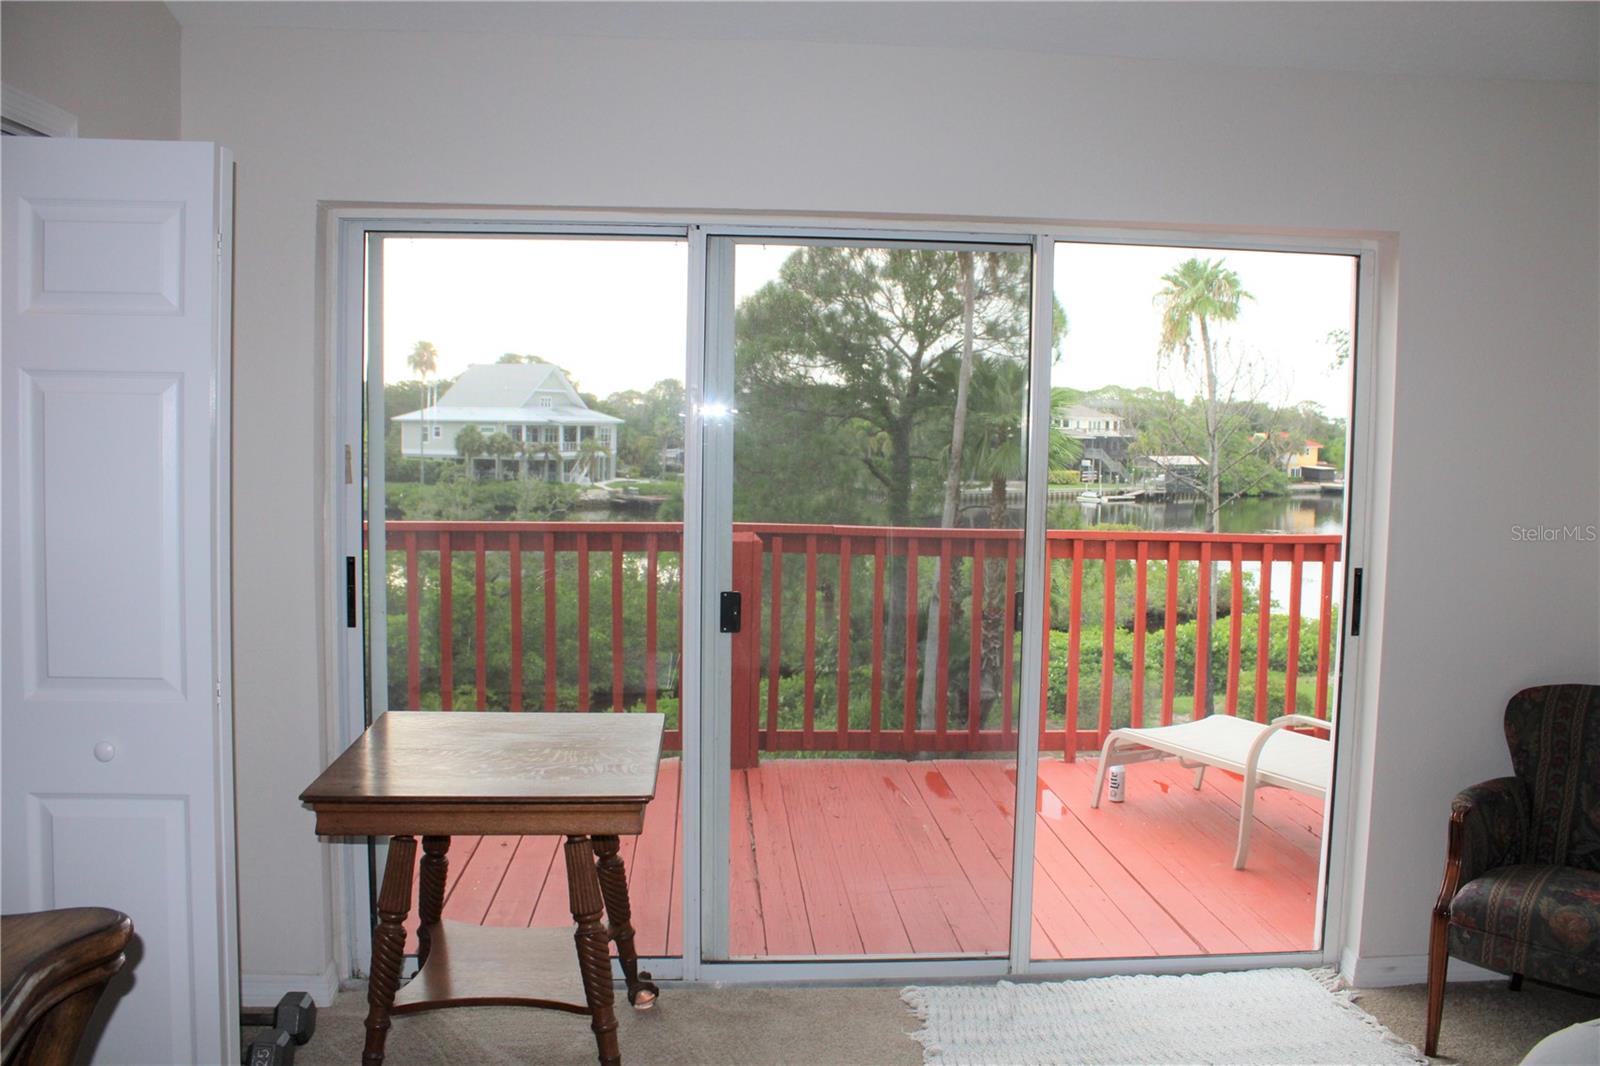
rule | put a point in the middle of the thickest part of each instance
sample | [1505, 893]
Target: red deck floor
[862, 856]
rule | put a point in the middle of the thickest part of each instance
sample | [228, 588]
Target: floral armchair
[1521, 892]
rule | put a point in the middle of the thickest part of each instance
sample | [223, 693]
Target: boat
[1089, 497]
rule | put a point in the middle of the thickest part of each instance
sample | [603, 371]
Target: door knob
[105, 751]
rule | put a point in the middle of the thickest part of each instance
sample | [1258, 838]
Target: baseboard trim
[1386, 971]
[265, 989]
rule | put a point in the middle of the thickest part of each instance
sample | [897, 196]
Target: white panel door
[117, 713]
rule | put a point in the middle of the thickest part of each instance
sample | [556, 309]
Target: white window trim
[1366, 547]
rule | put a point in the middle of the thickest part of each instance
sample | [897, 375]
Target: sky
[613, 312]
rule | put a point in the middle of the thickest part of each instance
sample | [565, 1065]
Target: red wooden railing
[841, 578]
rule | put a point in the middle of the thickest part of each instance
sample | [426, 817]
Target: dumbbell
[294, 1021]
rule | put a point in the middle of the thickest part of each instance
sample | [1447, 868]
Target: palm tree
[502, 447]
[1193, 295]
[591, 453]
[546, 452]
[470, 443]
[424, 362]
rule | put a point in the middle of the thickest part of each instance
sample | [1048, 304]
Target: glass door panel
[1200, 415]
[525, 498]
[878, 404]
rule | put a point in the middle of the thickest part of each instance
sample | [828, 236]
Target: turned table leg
[594, 945]
[388, 945]
[619, 915]
[430, 896]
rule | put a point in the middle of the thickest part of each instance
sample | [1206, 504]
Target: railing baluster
[617, 648]
[1108, 636]
[975, 649]
[879, 562]
[1202, 636]
[1263, 632]
[1325, 628]
[810, 721]
[413, 627]
[514, 563]
[775, 652]
[1074, 640]
[652, 563]
[583, 623]
[908, 722]
[549, 563]
[480, 652]
[446, 636]
[1169, 662]
[843, 723]
[941, 696]
[1291, 676]
[1235, 625]
[1008, 656]
[1141, 582]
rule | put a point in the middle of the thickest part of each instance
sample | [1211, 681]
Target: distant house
[559, 437]
[1181, 473]
[1307, 465]
[1105, 440]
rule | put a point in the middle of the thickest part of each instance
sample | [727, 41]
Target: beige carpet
[1484, 1025]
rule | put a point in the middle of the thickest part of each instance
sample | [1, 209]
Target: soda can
[1117, 775]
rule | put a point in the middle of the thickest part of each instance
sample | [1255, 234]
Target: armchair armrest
[1487, 824]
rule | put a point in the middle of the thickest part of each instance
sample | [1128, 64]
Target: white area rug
[1275, 1017]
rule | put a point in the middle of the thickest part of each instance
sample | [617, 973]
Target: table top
[502, 758]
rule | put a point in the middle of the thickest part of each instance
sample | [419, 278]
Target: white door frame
[344, 231]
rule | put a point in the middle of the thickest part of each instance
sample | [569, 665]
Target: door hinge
[1016, 612]
[219, 247]
[1355, 602]
[731, 614]
[349, 467]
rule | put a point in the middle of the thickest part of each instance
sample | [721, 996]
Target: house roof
[510, 392]
[560, 415]
[1079, 410]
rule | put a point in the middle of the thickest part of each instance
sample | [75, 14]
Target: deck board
[893, 857]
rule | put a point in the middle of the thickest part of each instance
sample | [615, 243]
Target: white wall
[113, 65]
[1491, 188]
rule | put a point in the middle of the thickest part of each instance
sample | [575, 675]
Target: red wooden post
[1202, 633]
[583, 622]
[745, 737]
[879, 563]
[1291, 677]
[975, 648]
[1325, 628]
[514, 561]
[413, 627]
[1108, 647]
[1169, 665]
[651, 564]
[809, 721]
[1235, 626]
[941, 699]
[908, 722]
[446, 637]
[1141, 582]
[549, 560]
[617, 651]
[777, 644]
[1263, 632]
[842, 724]
[1075, 641]
[480, 626]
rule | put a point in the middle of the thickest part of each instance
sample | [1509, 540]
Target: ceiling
[1532, 40]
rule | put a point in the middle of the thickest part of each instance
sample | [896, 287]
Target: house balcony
[873, 768]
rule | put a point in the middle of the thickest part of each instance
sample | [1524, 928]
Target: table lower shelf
[486, 966]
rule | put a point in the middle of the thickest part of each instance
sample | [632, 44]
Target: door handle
[731, 614]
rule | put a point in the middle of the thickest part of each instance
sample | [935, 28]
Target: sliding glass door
[871, 454]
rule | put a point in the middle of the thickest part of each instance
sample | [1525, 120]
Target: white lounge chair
[1292, 760]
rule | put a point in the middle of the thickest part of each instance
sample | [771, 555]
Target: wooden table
[587, 777]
